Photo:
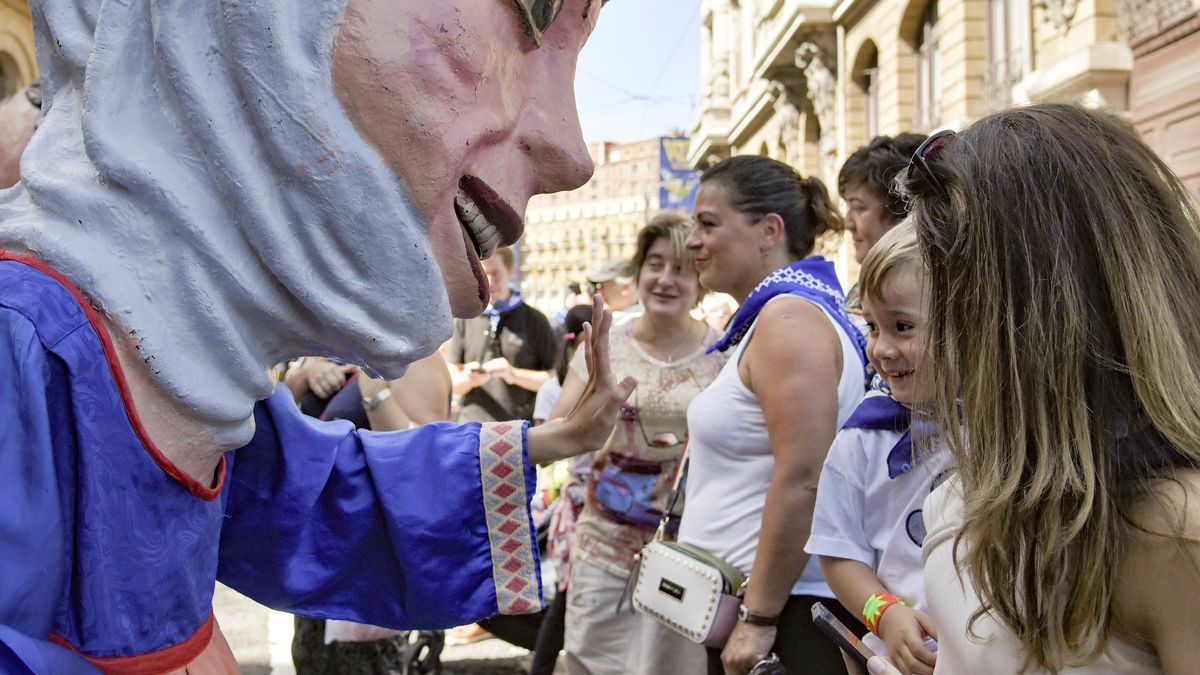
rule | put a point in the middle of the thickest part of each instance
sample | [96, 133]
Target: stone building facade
[808, 81]
[18, 66]
[1164, 87]
[569, 233]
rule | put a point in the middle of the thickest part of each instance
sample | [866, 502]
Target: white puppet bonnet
[196, 174]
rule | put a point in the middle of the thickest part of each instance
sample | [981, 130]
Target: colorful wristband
[876, 605]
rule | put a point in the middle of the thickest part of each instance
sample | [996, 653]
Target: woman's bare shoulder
[1170, 506]
[792, 320]
[1158, 584]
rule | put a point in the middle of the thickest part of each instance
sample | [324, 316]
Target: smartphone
[837, 631]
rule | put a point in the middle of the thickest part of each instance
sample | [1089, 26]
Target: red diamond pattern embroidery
[514, 564]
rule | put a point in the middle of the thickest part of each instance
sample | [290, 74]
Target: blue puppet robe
[109, 554]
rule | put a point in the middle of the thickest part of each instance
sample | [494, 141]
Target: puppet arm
[424, 528]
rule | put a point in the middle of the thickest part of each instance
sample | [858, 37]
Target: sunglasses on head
[925, 152]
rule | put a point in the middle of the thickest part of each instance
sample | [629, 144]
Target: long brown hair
[1063, 259]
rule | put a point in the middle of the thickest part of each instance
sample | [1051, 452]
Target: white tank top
[731, 463]
[995, 648]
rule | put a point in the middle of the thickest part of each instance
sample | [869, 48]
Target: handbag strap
[680, 477]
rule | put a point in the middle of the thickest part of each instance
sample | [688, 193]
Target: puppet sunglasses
[537, 16]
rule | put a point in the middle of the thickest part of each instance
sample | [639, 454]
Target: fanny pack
[624, 492]
[684, 587]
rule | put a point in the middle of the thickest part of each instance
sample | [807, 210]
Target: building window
[870, 85]
[929, 70]
[1008, 37]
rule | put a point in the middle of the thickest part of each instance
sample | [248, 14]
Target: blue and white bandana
[881, 412]
[813, 279]
[498, 309]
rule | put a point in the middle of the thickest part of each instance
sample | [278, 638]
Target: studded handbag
[684, 587]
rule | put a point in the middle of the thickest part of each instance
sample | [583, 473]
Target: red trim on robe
[166, 660]
[114, 365]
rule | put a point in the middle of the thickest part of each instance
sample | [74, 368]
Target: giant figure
[216, 187]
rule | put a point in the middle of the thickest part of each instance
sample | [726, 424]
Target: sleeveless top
[732, 463]
[996, 649]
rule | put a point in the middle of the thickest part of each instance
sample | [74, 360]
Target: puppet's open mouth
[483, 235]
[487, 219]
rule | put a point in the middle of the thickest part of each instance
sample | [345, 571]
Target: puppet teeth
[484, 235]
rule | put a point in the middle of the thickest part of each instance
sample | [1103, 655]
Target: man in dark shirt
[500, 359]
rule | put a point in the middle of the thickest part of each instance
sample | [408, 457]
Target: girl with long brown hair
[1063, 259]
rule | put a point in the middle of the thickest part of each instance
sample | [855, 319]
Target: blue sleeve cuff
[508, 479]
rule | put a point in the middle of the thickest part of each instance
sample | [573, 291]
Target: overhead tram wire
[674, 50]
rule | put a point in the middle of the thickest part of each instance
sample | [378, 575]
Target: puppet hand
[591, 421]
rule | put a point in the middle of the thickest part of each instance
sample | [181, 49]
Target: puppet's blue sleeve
[34, 394]
[426, 528]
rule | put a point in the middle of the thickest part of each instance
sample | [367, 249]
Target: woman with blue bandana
[760, 432]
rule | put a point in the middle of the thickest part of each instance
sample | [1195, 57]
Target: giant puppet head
[236, 182]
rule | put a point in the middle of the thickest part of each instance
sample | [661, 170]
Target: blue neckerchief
[812, 279]
[880, 412]
[498, 309]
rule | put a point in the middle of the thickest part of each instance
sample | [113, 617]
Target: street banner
[677, 179]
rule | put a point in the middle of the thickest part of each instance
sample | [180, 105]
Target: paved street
[261, 640]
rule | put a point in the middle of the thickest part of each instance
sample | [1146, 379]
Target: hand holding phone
[837, 631]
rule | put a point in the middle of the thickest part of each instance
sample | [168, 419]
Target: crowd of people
[971, 459]
[983, 457]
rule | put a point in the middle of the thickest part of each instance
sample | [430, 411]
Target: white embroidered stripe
[502, 473]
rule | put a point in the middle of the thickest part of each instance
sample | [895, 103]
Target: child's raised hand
[903, 629]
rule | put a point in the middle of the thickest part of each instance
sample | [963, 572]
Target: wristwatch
[372, 403]
[746, 616]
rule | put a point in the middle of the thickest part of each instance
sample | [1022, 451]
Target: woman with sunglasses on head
[1062, 256]
[666, 350]
[761, 431]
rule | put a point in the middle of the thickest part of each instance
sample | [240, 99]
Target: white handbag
[684, 587]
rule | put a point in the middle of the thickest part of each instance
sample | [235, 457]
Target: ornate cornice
[1059, 13]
